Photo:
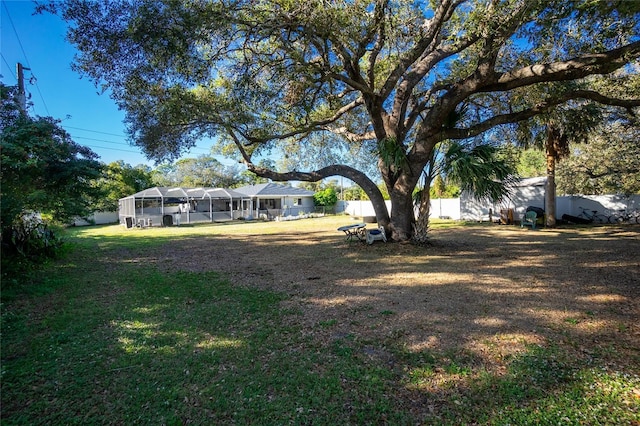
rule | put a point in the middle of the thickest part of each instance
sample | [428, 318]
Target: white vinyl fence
[444, 208]
[97, 218]
[469, 209]
[466, 209]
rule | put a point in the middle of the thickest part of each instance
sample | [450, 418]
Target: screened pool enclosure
[173, 206]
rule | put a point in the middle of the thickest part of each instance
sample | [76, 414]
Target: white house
[273, 200]
[164, 205]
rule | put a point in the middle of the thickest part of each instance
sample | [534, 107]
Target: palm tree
[554, 133]
[477, 169]
[557, 129]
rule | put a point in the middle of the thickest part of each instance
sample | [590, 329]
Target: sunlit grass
[91, 341]
[254, 227]
[235, 227]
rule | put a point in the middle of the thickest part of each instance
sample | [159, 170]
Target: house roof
[214, 193]
[273, 190]
[180, 192]
[534, 181]
[261, 190]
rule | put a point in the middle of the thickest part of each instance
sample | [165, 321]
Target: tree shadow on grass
[177, 348]
[482, 327]
[491, 292]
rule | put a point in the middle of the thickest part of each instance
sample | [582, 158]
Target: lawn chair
[376, 234]
[530, 218]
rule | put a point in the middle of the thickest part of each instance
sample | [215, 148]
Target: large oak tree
[392, 78]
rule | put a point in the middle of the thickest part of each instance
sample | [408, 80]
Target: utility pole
[22, 95]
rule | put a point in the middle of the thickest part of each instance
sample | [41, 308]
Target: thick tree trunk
[421, 227]
[402, 213]
[556, 146]
[402, 216]
[550, 191]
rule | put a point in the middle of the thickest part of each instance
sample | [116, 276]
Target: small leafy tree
[326, 197]
[247, 177]
[120, 180]
[42, 171]
[355, 193]
[201, 171]
[441, 189]
[481, 170]
[312, 186]
[531, 163]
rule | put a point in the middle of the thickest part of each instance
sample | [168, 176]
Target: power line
[105, 141]
[16, 33]
[95, 131]
[8, 67]
[39, 93]
[112, 149]
[114, 142]
[33, 79]
[100, 140]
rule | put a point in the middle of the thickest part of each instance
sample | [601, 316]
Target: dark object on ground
[538, 210]
[575, 219]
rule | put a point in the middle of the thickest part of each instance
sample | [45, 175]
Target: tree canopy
[384, 81]
[120, 180]
[608, 163]
[203, 170]
[43, 173]
[42, 169]
[326, 197]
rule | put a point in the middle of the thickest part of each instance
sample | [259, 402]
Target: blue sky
[92, 119]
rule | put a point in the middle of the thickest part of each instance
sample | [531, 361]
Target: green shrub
[27, 241]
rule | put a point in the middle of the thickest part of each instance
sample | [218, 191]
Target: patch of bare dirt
[489, 290]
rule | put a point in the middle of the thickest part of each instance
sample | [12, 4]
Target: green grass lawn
[90, 339]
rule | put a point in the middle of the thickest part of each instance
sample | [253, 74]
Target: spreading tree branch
[514, 117]
[310, 127]
[572, 69]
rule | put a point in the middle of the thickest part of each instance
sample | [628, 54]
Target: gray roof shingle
[273, 190]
